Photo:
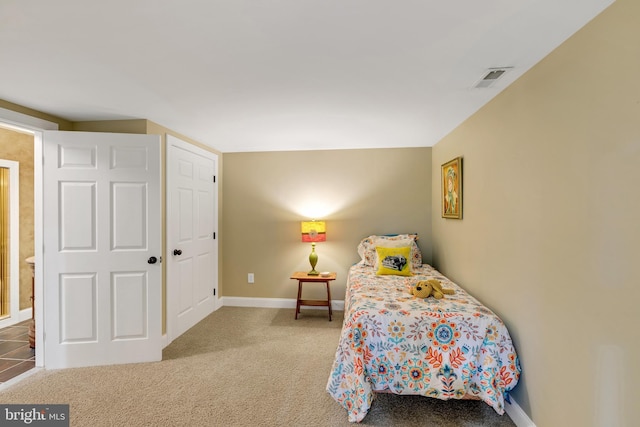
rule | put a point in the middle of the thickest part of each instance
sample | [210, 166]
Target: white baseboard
[517, 415]
[25, 314]
[21, 317]
[19, 378]
[273, 303]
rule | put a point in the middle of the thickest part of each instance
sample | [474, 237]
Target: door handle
[177, 251]
[152, 260]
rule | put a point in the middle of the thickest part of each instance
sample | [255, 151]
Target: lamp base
[313, 260]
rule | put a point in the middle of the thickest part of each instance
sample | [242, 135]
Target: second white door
[192, 241]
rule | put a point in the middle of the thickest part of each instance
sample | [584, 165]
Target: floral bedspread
[393, 342]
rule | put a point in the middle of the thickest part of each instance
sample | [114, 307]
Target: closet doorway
[17, 355]
[14, 125]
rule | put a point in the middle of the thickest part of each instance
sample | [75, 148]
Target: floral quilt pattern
[393, 342]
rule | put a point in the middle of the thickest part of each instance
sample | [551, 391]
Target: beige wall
[138, 126]
[358, 193]
[18, 147]
[550, 232]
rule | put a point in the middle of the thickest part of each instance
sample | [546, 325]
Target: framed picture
[452, 189]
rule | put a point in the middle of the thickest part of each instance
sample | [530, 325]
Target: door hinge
[214, 235]
[214, 178]
[214, 292]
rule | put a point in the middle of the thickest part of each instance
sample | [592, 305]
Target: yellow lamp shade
[313, 231]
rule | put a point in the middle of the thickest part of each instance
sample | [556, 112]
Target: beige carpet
[238, 367]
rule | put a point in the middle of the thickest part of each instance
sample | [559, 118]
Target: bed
[393, 342]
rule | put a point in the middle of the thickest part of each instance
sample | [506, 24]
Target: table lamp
[313, 231]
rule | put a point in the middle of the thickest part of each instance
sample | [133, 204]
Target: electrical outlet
[250, 278]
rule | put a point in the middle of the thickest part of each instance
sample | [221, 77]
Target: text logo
[34, 415]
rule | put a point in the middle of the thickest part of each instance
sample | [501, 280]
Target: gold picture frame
[452, 189]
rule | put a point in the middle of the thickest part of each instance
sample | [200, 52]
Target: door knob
[152, 260]
[177, 251]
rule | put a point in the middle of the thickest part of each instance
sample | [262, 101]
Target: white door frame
[37, 126]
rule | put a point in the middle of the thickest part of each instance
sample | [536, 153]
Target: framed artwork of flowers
[452, 189]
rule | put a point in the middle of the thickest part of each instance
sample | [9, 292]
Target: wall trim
[25, 314]
[517, 415]
[23, 121]
[273, 303]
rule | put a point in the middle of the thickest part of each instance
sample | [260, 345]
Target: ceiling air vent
[491, 76]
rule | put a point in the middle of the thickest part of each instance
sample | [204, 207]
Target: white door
[102, 231]
[192, 244]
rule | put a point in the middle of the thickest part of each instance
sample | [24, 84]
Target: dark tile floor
[16, 357]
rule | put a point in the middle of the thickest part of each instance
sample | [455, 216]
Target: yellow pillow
[394, 261]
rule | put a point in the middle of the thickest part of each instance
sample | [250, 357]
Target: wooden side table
[303, 277]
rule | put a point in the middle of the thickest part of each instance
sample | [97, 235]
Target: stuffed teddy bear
[426, 288]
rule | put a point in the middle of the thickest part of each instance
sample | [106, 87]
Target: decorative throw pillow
[367, 248]
[400, 243]
[394, 261]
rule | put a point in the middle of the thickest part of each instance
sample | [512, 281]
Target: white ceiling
[264, 75]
